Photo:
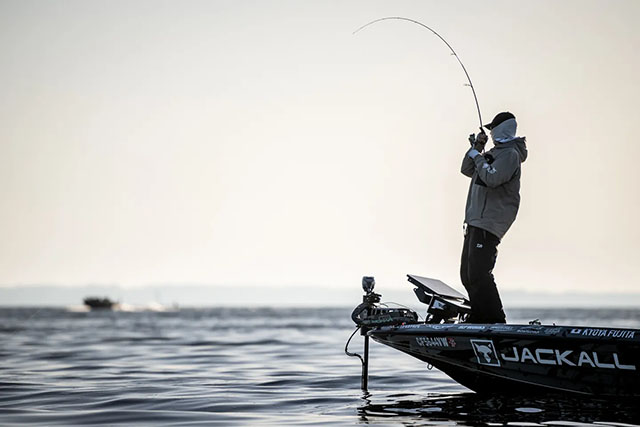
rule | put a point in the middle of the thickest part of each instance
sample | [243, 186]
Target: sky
[261, 143]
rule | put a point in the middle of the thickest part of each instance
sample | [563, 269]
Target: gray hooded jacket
[494, 192]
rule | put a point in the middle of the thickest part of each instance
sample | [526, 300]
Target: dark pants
[479, 255]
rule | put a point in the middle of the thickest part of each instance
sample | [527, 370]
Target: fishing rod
[453, 52]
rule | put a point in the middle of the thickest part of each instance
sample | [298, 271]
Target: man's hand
[480, 141]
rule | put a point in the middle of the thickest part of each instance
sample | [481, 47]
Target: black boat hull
[525, 358]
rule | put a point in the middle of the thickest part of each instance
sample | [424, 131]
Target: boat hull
[525, 358]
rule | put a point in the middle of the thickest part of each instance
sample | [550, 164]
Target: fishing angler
[492, 201]
[463, 337]
[492, 205]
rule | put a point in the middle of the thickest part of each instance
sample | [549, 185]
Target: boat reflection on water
[476, 409]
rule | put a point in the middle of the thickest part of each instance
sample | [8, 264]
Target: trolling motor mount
[370, 315]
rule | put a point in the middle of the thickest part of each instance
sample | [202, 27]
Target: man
[492, 205]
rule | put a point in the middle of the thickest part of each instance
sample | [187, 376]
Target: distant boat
[99, 303]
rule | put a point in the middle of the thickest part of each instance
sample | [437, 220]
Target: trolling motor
[444, 305]
[368, 315]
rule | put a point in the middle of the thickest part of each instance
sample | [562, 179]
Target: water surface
[264, 366]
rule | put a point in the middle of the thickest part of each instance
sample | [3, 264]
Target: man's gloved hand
[480, 141]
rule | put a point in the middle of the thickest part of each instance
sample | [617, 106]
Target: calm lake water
[265, 366]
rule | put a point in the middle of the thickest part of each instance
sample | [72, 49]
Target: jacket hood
[519, 143]
[505, 131]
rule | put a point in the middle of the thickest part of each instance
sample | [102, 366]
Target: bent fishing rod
[453, 52]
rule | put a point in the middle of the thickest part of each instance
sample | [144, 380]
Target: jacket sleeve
[468, 166]
[498, 172]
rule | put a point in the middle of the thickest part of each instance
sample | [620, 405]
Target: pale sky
[261, 143]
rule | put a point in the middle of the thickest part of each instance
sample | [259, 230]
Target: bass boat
[501, 358]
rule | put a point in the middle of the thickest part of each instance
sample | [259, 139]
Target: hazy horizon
[190, 295]
[259, 144]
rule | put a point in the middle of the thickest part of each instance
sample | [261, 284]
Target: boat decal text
[603, 333]
[501, 328]
[435, 342]
[555, 357]
[528, 331]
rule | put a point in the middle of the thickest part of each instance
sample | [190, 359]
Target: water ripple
[247, 367]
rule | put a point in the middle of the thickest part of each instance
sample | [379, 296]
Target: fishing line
[453, 52]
